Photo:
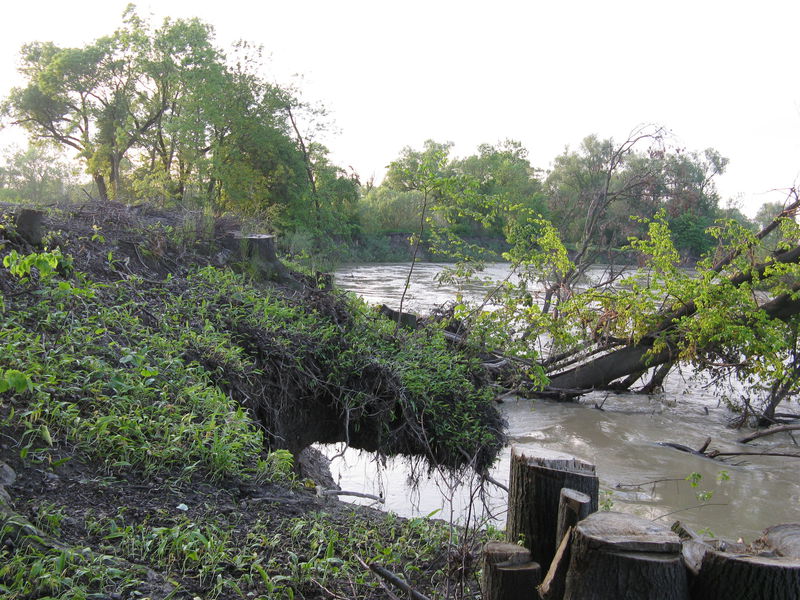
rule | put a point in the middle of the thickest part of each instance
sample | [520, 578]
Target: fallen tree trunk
[633, 358]
[638, 357]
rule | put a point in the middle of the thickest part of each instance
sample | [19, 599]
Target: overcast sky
[392, 74]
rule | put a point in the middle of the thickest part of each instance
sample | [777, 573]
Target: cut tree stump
[773, 573]
[29, 225]
[259, 250]
[535, 483]
[726, 576]
[616, 556]
[573, 506]
[783, 539]
[509, 573]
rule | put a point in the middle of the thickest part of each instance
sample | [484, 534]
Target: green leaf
[17, 380]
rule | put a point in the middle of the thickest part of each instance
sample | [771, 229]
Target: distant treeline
[161, 114]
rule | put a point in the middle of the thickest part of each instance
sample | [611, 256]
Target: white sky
[392, 74]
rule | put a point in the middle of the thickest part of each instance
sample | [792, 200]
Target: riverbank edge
[121, 531]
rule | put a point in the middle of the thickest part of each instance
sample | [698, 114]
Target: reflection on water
[621, 440]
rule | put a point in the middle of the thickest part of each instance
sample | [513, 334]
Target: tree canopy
[162, 113]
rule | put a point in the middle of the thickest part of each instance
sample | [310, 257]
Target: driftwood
[615, 555]
[395, 580]
[323, 493]
[770, 431]
[535, 483]
[508, 572]
[713, 454]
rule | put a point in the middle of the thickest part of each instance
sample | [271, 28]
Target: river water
[747, 493]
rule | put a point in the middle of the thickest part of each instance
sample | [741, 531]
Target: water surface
[747, 493]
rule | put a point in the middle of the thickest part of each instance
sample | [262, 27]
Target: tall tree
[95, 99]
[37, 173]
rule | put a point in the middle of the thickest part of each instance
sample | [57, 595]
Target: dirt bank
[154, 386]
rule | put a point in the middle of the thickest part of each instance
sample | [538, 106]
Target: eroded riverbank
[747, 493]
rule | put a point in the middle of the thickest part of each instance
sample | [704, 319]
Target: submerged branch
[773, 430]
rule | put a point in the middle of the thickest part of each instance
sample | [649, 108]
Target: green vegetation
[156, 374]
[162, 114]
[140, 352]
[221, 556]
[119, 362]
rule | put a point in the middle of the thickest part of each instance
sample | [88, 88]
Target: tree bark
[735, 577]
[535, 483]
[28, 223]
[259, 249]
[615, 556]
[573, 507]
[102, 189]
[509, 573]
[766, 432]
[552, 587]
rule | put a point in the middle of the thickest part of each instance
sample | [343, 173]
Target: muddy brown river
[747, 494]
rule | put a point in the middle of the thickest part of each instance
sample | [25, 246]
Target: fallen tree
[667, 340]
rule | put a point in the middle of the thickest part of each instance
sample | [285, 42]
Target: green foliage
[62, 574]
[290, 558]
[592, 192]
[45, 263]
[37, 174]
[387, 210]
[161, 113]
[84, 365]
[115, 389]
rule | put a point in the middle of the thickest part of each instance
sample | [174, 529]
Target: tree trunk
[259, 250]
[615, 556]
[573, 507]
[28, 223]
[601, 371]
[735, 577]
[536, 480]
[102, 190]
[606, 368]
[783, 539]
[508, 573]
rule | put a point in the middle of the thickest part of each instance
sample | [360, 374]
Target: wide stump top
[627, 532]
[552, 459]
[783, 539]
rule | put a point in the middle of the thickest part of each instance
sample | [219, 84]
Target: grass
[186, 378]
